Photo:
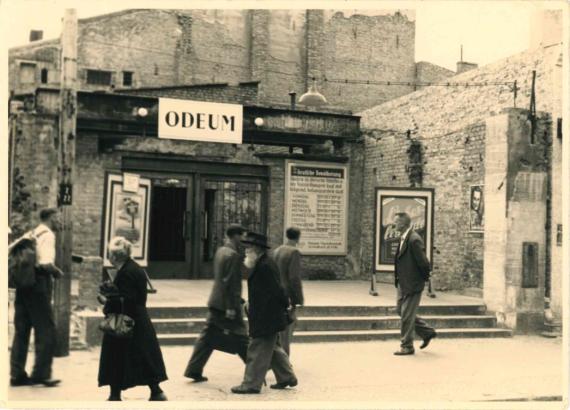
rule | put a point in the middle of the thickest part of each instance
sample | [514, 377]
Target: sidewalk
[524, 367]
[317, 293]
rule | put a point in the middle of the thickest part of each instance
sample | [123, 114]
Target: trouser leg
[21, 341]
[407, 309]
[422, 329]
[281, 365]
[286, 336]
[200, 355]
[41, 315]
[259, 357]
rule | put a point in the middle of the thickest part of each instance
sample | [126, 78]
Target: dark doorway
[167, 233]
[224, 202]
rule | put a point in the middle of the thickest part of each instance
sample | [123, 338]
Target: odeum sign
[200, 121]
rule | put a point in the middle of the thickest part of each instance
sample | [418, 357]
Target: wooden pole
[66, 164]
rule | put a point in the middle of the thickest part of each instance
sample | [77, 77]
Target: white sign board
[200, 121]
[130, 182]
[316, 202]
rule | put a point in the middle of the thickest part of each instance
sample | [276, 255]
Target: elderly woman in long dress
[137, 360]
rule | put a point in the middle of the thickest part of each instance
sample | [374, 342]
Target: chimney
[36, 35]
[463, 66]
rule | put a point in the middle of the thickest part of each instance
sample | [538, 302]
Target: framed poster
[418, 203]
[476, 208]
[126, 214]
[316, 202]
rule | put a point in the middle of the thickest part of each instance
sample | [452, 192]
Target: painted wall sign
[418, 203]
[316, 201]
[127, 215]
[200, 121]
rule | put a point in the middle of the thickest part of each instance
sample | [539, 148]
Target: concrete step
[338, 323]
[320, 311]
[350, 336]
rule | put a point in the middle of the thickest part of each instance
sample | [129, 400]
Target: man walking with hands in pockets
[288, 260]
[412, 270]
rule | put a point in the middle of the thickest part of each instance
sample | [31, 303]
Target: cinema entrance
[190, 211]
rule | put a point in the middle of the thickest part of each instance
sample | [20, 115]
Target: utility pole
[66, 164]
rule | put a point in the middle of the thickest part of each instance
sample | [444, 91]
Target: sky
[488, 30]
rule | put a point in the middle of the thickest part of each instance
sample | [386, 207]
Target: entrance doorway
[169, 250]
[225, 201]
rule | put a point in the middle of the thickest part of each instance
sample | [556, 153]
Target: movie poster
[127, 215]
[418, 203]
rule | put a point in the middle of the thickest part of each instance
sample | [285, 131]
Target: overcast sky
[488, 30]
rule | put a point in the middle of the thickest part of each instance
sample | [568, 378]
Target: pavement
[316, 293]
[448, 371]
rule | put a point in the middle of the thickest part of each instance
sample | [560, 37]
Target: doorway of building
[169, 247]
[224, 201]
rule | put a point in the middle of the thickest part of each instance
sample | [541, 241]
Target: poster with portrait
[418, 203]
[126, 213]
[476, 208]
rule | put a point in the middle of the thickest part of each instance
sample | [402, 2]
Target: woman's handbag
[118, 324]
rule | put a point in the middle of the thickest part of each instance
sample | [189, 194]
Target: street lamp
[313, 98]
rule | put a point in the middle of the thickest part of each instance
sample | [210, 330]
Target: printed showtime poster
[418, 203]
[316, 202]
[127, 215]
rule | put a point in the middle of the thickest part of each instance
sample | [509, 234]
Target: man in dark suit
[225, 329]
[267, 313]
[412, 270]
[288, 260]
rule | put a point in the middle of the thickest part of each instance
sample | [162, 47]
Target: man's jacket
[288, 260]
[411, 267]
[226, 293]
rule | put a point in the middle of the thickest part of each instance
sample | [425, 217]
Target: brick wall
[142, 41]
[238, 94]
[428, 72]
[452, 163]
[449, 123]
[375, 48]
[279, 48]
[35, 160]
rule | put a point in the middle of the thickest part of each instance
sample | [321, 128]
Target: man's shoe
[114, 398]
[47, 382]
[241, 389]
[283, 385]
[158, 397]
[21, 381]
[404, 352]
[198, 378]
[427, 340]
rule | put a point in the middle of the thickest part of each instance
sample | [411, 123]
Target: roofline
[35, 44]
[116, 14]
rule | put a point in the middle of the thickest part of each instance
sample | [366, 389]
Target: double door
[189, 215]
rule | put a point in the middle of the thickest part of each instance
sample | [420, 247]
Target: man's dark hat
[254, 238]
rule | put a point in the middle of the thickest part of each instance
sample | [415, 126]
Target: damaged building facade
[295, 162]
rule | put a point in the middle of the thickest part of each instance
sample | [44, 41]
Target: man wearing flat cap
[225, 328]
[267, 313]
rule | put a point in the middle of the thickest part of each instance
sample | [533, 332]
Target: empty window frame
[99, 77]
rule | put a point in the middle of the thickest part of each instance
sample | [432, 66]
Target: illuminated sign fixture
[200, 121]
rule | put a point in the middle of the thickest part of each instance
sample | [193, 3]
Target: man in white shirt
[33, 309]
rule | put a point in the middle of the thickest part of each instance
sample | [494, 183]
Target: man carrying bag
[33, 301]
[225, 328]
